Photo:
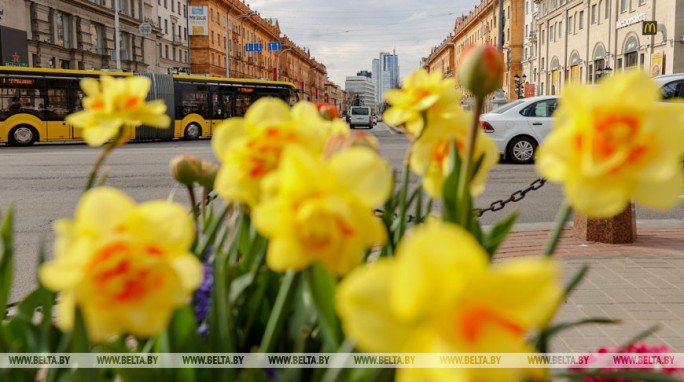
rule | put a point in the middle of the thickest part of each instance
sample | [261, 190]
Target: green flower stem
[402, 198]
[466, 164]
[277, 314]
[109, 147]
[561, 218]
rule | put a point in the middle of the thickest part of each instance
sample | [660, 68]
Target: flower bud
[328, 111]
[208, 171]
[481, 70]
[185, 169]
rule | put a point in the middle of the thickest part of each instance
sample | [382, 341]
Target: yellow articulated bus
[34, 103]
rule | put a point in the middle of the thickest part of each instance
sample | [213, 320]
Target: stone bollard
[619, 229]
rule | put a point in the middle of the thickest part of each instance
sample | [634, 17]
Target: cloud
[346, 35]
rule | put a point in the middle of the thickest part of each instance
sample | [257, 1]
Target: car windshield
[506, 107]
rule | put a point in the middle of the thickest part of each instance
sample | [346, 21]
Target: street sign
[145, 29]
[274, 45]
[253, 47]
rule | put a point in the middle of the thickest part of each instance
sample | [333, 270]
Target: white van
[360, 116]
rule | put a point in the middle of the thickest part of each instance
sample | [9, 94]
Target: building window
[642, 2]
[166, 26]
[125, 46]
[570, 25]
[178, 7]
[97, 37]
[594, 17]
[159, 21]
[624, 6]
[64, 30]
[560, 29]
[185, 11]
[581, 20]
[166, 4]
[173, 7]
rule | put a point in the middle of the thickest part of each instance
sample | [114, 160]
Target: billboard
[13, 47]
[198, 20]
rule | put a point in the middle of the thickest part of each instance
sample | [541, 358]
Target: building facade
[442, 58]
[80, 34]
[360, 91]
[387, 76]
[174, 44]
[584, 40]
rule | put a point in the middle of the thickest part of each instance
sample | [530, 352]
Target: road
[45, 182]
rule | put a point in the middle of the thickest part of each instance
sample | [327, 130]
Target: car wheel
[22, 135]
[521, 150]
[192, 131]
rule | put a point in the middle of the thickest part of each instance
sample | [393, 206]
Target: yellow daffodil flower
[126, 266]
[250, 147]
[422, 93]
[614, 143]
[430, 155]
[322, 211]
[110, 104]
[440, 295]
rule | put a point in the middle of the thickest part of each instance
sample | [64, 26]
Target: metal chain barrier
[515, 197]
[494, 206]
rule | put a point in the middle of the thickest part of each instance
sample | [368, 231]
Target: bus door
[77, 133]
[56, 110]
[220, 104]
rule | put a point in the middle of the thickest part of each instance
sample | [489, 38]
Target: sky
[346, 35]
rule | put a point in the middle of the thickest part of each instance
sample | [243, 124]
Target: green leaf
[183, 336]
[557, 328]
[575, 281]
[6, 258]
[321, 285]
[81, 344]
[278, 312]
[498, 233]
[450, 187]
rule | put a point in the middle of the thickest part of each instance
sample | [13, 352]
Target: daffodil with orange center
[250, 147]
[430, 154]
[126, 266]
[439, 294]
[322, 211]
[112, 103]
[614, 143]
[422, 95]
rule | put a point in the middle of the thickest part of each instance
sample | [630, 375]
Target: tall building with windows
[387, 76]
[173, 47]
[360, 91]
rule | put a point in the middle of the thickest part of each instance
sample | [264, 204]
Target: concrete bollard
[619, 229]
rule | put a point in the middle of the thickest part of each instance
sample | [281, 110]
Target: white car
[520, 126]
[672, 85]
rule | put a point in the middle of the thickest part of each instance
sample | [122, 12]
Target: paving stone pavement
[641, 283]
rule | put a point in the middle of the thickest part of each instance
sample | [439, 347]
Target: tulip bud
[185, 169]
[481, 70]
[208, 173]
[328, 111]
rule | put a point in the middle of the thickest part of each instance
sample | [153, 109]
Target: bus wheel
[192, 131]
[22, 135]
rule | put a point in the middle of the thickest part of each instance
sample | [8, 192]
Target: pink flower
[641, 348]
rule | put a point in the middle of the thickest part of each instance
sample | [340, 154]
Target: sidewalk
[641, 283]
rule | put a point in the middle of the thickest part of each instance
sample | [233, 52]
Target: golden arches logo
[649, 28]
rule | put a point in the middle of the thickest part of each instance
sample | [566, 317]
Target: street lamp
[278, 62]
[242, 29]
[520, 85]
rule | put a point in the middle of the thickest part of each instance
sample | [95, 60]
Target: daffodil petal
[364, 173]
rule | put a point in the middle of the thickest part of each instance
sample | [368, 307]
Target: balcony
[532, 36]
[178, 39]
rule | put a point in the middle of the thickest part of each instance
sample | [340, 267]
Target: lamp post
[278, 62]
[520, 85]
[600, 72]
[242, 29]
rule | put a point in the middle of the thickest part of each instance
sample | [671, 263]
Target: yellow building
[228, 39]
[441, 59]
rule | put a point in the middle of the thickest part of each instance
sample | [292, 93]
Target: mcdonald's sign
[649, 28]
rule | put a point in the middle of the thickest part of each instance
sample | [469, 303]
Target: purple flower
[202, 300]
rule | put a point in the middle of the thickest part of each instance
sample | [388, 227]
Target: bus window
[242, 103]
[194, 102]
[57, 105]
[220, 104]
[13, 101]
